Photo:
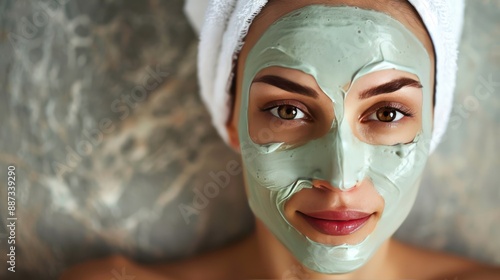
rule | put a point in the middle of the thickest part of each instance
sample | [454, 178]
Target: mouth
[336, 223]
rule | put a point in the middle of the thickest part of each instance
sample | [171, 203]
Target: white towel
[226, 24]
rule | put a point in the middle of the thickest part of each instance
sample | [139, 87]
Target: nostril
[320, 186]
[325, 185]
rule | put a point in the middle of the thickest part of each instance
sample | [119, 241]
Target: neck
[279, 263]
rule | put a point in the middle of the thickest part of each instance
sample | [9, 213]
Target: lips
[336, 222]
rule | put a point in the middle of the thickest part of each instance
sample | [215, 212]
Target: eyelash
[407, 112]
[276, 104]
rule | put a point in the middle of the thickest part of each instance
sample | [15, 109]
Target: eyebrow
[389, 87]
[286, 85]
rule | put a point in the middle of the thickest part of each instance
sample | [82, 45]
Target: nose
[342, 160]
[325, 185]
[342, 171]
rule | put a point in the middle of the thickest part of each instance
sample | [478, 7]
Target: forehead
[276, 9]
[324, 41]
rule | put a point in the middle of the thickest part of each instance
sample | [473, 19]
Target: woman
[335, 110]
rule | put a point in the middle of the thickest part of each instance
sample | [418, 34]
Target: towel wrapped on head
[226, 23]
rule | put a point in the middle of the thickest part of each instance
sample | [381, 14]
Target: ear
[232, 132]
[233, 121]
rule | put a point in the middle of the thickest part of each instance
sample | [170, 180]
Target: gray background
[84, 191]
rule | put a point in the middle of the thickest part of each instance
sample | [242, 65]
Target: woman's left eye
[287, 112]
[386, 114]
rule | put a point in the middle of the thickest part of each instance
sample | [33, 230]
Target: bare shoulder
[421, 263]
[113, 267]
[226, 263]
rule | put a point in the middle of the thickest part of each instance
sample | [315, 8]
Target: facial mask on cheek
[336, 45]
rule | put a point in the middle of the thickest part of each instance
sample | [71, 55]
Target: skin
[313, 120]
[250, 258]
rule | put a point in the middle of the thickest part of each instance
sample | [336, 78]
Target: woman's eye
[287, 112]
[386, 114]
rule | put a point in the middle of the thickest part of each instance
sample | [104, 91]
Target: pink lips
[336, 222]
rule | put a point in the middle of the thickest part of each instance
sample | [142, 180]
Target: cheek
[388, 134]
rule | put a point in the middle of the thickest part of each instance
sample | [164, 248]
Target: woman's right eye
[287, 112]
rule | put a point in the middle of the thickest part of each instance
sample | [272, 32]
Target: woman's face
[329, 144]
[279, 112]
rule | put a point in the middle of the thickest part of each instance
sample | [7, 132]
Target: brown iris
[287, 112]
[386, 114]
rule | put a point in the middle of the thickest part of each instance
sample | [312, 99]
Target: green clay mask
[336, 46]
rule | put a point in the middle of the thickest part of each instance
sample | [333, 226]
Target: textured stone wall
[101, 117]
[99, 114]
